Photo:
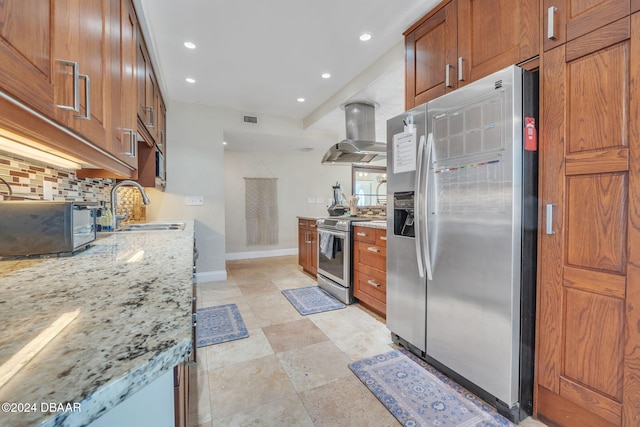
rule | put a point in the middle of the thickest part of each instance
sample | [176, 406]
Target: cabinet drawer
[371, 286]
[364, 234]
[381, 237]
[371, 255]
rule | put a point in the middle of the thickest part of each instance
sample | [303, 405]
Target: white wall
[197, 166]
[195, 158]
[300, 176]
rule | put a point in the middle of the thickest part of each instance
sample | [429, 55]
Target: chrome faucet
[114, 203]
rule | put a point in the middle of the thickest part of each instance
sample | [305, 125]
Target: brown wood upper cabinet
[82, 56]
[25, 52]
[566, 20]
[148, 94]
[124, 138]
[463, 40]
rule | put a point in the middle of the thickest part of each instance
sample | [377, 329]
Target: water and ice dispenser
[403, 219]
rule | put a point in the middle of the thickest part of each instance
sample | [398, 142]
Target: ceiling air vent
[249, 120]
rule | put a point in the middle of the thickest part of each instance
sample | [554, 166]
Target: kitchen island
[81, 334]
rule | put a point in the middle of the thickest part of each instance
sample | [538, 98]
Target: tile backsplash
[29, 179]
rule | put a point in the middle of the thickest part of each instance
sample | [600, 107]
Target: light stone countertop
[117, 315]
[377, 223]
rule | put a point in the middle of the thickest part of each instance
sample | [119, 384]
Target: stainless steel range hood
[360, 145]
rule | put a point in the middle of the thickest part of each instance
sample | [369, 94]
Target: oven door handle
[342, 234]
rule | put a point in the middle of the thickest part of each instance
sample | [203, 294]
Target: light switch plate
[195, 200]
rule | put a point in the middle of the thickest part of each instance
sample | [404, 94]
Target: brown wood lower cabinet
[308, 245]
[370, 268]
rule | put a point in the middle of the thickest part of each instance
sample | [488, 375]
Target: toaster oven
[40, 227]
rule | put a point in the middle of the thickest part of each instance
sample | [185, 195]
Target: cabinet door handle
[161, 133]
[76, 83]
[87, 97]
[447, 79]
[551, 30]
[460, 76]
[372, 283]
[152, 116]
[133, 142]
[549, 218]
[372, 249]
[362, 234]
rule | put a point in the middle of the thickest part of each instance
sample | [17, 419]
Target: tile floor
[292, 369]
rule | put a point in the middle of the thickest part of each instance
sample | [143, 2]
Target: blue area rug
[219, 324]
[418, 395]
[311, 300]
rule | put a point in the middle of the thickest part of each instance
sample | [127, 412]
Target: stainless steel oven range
[334, 256]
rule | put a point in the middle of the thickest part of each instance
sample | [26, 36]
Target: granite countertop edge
[132, 294]
[112, 394]
[372, 224]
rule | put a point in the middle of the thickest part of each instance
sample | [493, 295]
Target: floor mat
[417, 395]
[311, 300]
[219, 324]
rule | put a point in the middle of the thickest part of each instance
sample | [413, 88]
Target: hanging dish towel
[326, 244]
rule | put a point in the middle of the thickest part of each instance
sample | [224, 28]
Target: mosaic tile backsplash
[29, 178]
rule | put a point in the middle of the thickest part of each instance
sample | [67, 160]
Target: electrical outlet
[320, 200]
[311, 199]
[195, 200]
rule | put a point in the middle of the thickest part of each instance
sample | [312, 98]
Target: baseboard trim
[211, 276]
[232, 256]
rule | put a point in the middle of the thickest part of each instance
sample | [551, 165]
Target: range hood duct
[360, 145]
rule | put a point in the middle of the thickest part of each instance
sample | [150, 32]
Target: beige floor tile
[314, 365]
[530, 422]
[255, 346]
[242, 386]
[256, 288]
[288, 412]
[272, 308]
[292, 281]
[292, 335]
[346, 403]
[219, 292]
[344, 324]
[366, 344]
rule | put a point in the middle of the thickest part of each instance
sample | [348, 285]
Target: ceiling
[259, 57]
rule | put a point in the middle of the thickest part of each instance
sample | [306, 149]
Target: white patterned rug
[418, 395]
[311, 300]
[219, 324]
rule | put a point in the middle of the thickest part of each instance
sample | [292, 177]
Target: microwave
[161, 174]
[41, 227]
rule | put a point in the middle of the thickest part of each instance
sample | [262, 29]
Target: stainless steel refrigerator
[461, 239]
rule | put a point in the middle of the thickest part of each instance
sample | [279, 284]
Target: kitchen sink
[153, 226]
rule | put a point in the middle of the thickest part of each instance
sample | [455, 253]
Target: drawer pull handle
[383, 237]
[362, 234]
[372, 283]
[372, 249]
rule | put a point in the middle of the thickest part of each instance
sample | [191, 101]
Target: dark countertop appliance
[40, 227]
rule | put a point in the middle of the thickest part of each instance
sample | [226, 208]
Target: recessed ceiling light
[190, 80]
[224, 142]
[300, 99]
[189, 45]
[326, 75]
[365, 37]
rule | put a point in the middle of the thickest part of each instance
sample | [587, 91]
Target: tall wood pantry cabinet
[588, 307]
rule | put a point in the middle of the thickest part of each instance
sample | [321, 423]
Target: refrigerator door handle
[427, 251]
[417, 217]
